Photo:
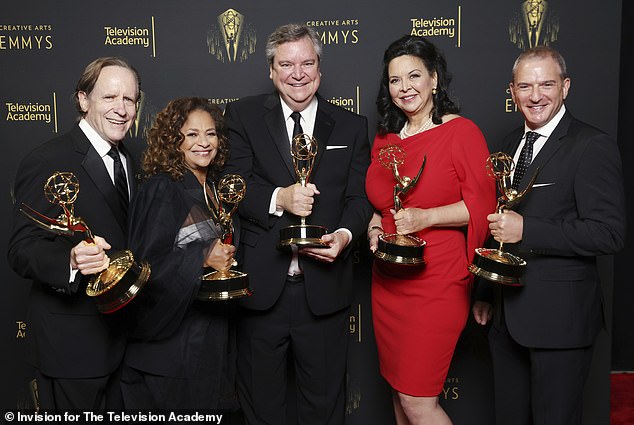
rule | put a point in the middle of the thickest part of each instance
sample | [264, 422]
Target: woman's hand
[373, 237]
[412, 220]
[374, 230]
[482, 312]
[220, 257]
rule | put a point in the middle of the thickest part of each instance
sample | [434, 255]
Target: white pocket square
[543, 184]
[329, 147]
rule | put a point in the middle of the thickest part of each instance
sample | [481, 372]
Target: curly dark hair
[391, 118]
[163, 152]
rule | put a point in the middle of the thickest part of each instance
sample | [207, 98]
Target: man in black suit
[75, 350]
[541, 341]
[301, 296]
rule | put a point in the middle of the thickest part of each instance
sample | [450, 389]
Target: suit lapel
[548, 150]
[513, 141]
[130, 170]
[96, 170]
[323, 128]
[276, 125]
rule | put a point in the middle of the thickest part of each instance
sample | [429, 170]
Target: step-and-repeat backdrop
[215, 49]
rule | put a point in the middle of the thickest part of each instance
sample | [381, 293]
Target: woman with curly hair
[181, 352]
[419, 312]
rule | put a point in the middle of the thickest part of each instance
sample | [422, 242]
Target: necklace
[426, 126]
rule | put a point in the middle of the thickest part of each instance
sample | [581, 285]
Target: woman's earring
[434, 91]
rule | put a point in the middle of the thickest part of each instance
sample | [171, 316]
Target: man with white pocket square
[543, 332]
[301, 295]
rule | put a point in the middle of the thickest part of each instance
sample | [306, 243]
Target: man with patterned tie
[75, 350]
[301, 298]
[542, 338]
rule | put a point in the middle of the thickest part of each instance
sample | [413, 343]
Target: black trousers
[318, 348]
[536, 386]
[89, 394]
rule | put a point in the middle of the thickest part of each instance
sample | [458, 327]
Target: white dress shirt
[544, 133]
[307, 121]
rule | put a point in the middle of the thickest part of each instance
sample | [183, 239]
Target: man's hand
[336, 243]
[506, 227]
[90, 258]
[482, 312]
[296, 199]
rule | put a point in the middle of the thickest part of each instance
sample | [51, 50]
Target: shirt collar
[101, 146]
[308, 114]
[548, 129]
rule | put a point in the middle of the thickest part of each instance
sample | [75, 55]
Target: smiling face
[538, 90]
[110, 108]
[410, 85]
[200, 142]
[295, 73]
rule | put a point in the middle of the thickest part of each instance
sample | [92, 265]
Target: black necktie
[526, 156]
[297, 128]
[120, 182]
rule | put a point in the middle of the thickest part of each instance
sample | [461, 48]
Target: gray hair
[541, 52]
[288, 33]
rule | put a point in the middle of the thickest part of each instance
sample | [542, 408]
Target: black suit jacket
[260, 152]
[574, 212]
[69, 338]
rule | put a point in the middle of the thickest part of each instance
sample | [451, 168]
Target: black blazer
[68, 337]
[260, 152]
[574, 212]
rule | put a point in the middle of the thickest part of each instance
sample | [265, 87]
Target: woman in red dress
[420, 311]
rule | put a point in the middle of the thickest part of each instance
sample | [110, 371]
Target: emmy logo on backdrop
[303, 151]
[221, 285]
[114, 287]
[392, 247]
[534, 23]
[231, 38]
[534, 11]
[495, 264]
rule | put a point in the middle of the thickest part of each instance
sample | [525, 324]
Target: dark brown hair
[391, 118]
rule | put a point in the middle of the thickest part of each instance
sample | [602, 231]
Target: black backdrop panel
[623, 339]
[179, 50]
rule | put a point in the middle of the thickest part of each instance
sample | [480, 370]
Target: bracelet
[371, 228]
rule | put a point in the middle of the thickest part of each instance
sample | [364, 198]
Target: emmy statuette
[222, 285]
[114, 287]
[392, 247]
[495, 264]
[303, 151]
